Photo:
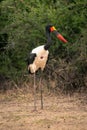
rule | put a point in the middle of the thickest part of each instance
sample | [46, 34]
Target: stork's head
[51, 28]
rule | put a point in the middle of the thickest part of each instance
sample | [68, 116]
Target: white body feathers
[40, 59]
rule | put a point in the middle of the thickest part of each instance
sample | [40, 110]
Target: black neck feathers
[49, 41]
[47, 46]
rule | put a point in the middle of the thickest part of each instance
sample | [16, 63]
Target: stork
[38, 57]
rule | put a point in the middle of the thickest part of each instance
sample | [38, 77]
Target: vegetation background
[22, 27]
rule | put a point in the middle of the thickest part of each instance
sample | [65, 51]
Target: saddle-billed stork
[38, 57]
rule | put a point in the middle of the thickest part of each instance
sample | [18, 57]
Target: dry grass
[59, 113]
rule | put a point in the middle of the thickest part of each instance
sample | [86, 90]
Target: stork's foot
[41, 107]
[41, 104]
[35, 110]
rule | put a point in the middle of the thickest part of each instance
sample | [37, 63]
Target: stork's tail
[50, 28]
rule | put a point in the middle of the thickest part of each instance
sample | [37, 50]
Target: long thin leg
[41, 97]
[41, 90]
[34, 91]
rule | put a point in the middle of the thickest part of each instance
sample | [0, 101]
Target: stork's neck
[49, 40]
[47, 46]
[48, 35]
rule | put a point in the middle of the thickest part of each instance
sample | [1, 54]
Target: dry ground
[59, 113]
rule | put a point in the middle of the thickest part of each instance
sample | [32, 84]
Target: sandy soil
[59, 113]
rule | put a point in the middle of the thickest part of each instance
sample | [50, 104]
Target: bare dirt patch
[59, 113]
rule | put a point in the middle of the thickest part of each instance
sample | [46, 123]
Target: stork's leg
[34, 91]
[41, 90]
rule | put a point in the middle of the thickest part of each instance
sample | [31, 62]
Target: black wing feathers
[31, 58]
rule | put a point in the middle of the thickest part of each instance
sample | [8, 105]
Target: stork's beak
[58, 35]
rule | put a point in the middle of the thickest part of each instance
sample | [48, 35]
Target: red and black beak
[50, 29]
